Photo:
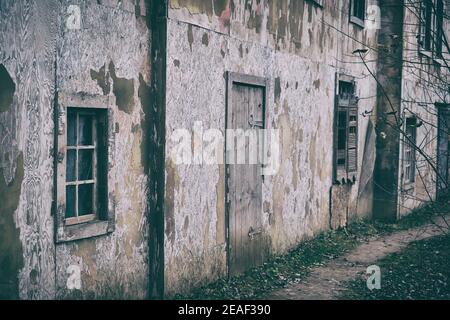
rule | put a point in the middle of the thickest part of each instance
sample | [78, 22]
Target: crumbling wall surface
[287, 43]
[425, 80]
[109, 55]
[42, 51]
[27, 50]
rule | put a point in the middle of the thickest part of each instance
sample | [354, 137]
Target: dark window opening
[342, 131]
[431, 26]
[358, 9]
[358, 12]
[409, 151]
[345, 89]
[439, 27]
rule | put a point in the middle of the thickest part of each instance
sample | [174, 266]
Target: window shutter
[352, 146]
[102, 140]
[352, 160]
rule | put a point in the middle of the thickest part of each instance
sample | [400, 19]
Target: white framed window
[85, 204]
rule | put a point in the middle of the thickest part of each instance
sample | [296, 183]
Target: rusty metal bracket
[254, 232]
[60, 157]
[255, 123]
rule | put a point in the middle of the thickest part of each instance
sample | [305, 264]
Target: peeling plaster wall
[27, 50]
[113, 44]
[285, 42]
[109, 55]
[424, 83]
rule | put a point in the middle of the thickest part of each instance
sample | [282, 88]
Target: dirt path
[326, 282]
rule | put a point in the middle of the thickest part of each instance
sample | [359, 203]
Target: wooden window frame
[94, 180]
[359, 21]
[102, 221]
[348, 104]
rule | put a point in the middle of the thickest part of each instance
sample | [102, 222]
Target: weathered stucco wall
[296, 45]
[28, 42]
[108, 55]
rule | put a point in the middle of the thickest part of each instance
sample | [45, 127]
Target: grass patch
[420, 271]
[293, 267]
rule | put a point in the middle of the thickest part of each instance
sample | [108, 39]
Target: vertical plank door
[245, 114]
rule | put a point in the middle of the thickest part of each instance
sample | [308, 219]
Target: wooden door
[245, 116]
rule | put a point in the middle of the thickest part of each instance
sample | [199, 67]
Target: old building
[98, 98]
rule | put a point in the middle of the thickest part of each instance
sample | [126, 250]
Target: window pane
[342, 120]
[85, 164]
[428, 16]
[70, 201]
[85, 130]
[71, 128]
[342, 139]
[358, 8]
[70, 168]
[345, 89]
[439, 25]
[361, 9]
[85, 195]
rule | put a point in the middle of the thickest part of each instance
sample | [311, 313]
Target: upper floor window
[439, 25]
[358, 12]
[431, 24]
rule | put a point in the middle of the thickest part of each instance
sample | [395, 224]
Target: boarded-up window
[346, 132]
